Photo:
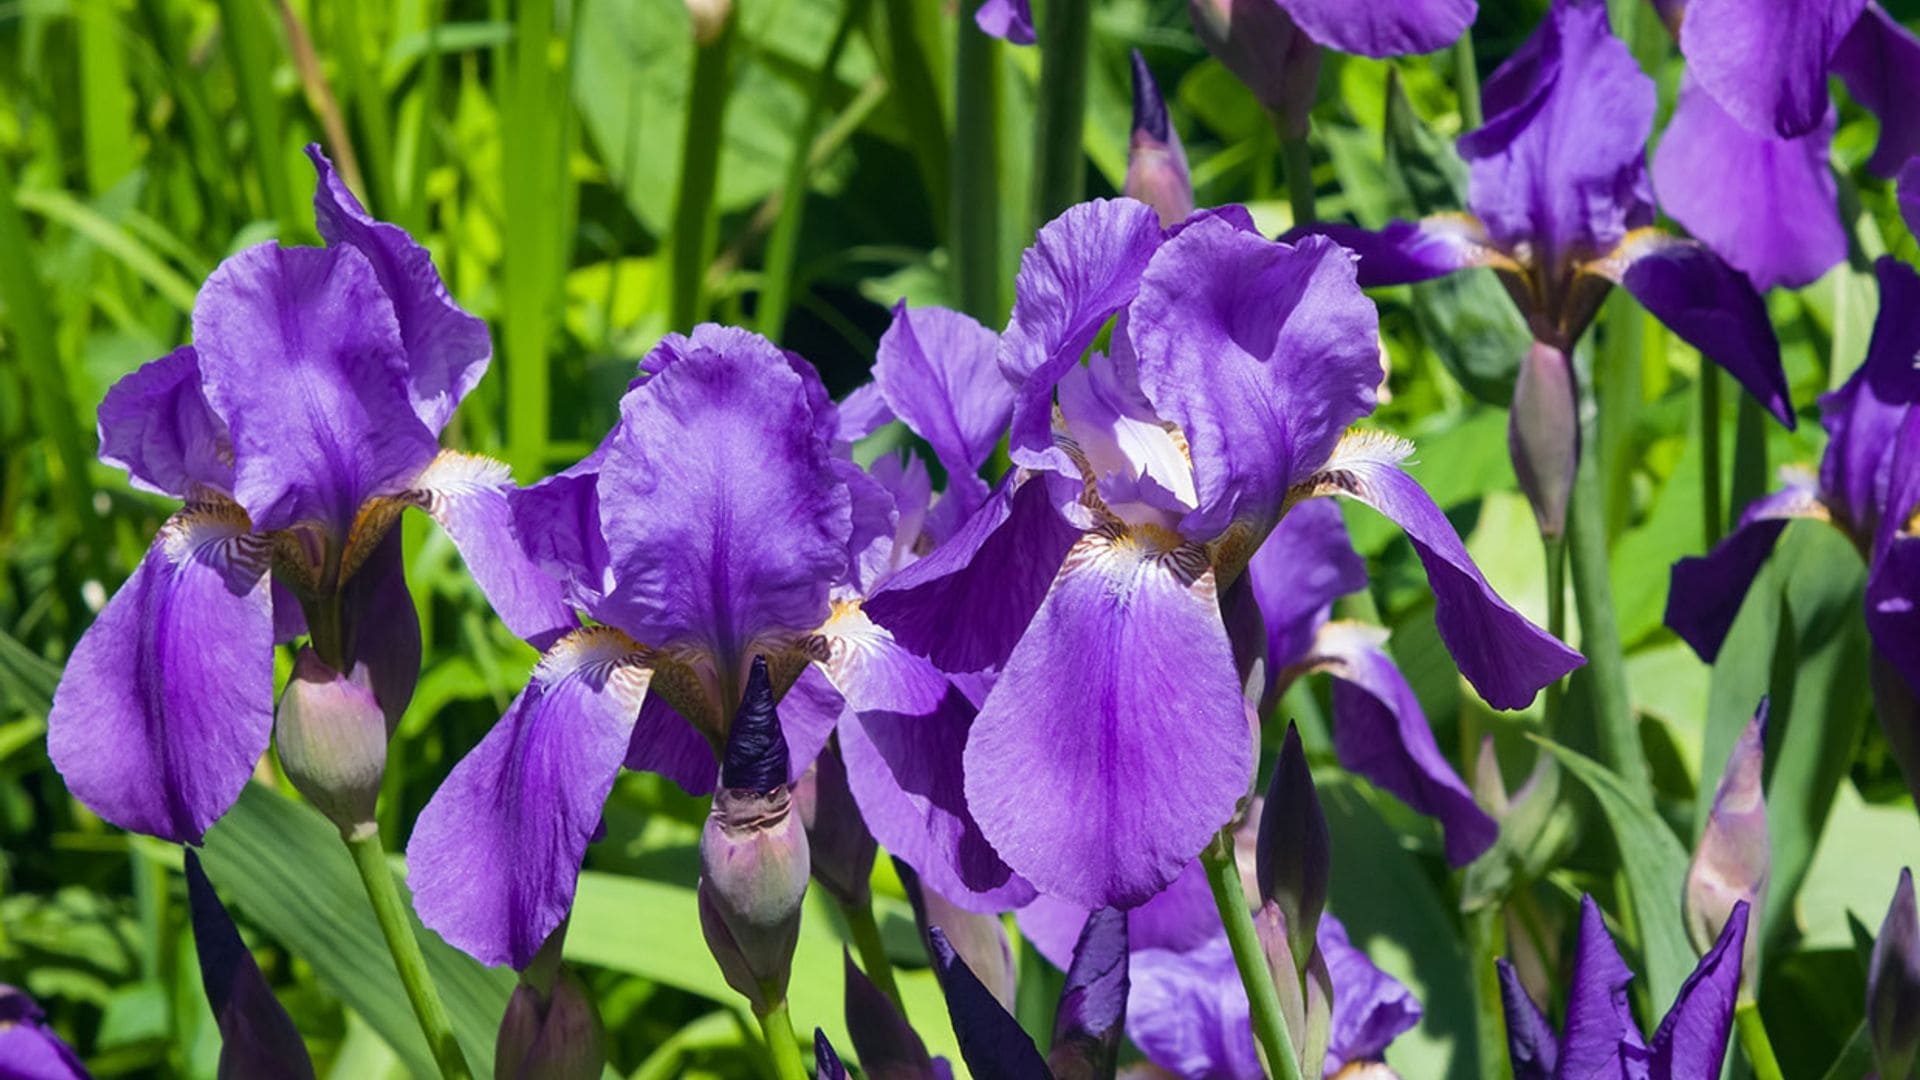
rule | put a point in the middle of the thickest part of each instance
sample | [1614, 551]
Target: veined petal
[863, 412]
[496, 852]
[167, 700]
[1262, 354]
[1081, 270]
[1009, 19]
[1177, 918]
[557, 524]
[1382, 28]
[155, 424]
[1409, 251]
[872, 671]
[1712, 306]
[1879, 60]
[1503, 655]
[1381, 733]
[1370, 1007]
[1706, 591]
[1767, 66]
[1692, 1040]
[1769, 205]
[1116, 741]
[725, 520]
[447, 350]
[965, 605]
[467, 494]
[1187, 1011]
[937, 370]
[1863, 418]
[301, 355]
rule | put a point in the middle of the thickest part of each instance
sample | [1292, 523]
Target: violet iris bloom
[709, 527]
[1561, 210]
[29, 1050]
[1869, 487]
[1377, 28]
[1600, 1038]
[1115, 741]
[301, 422]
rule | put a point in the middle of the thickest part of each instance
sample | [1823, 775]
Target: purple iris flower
[1561, 209]
[1115, 740]
[1377, 28]
[1868, 486]
[708, 528]
[301, 422]
[1600, 1038]
[29, 1050]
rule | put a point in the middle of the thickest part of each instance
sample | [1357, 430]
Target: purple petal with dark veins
[155, 424]
[937, 370]
[1767, 66]
[468, 495]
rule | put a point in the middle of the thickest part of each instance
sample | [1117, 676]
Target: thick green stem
[1486, 940]
[693, 219]
[974, 231]
[1754, 1042]
[1269, 1023]
[1059, 162]
[1749, 455]
[1556, 624]
[1466, 81]
[1711, 504]
[776, 289]
[370, 858]
[873, 952]
[914, 88]
[777, 1028]
[1298, 159]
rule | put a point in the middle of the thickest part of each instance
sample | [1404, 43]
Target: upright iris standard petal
[938, 372]
[1381, 733]
[167, 700]
[1262, 354]
[155, 424]
[1864, 416]
[1692, 1039]
[467, 494]
[301, 355]
[1705, 591]
[1382, 28]
[257, 1036]
[447, 349]
[557, 523]
[496, 852]
[1503, 655]
[1559, 164]
[1599, 1020]
[1767, 65]
[1531, 1046]
[1879, 60]
[725, 520]
[1116, 741]
[1009, 19]
[1081, 270]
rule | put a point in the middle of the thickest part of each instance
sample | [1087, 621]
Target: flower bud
[991, 1041]
[840, 847]
[1733, 860]
[1156, 165]
[753, 854]
[257, 1037]
[1093, 1003]
[981, 940]
[1543, 435]
[1258, 41]
[332, 737]
[826, 1064]
[1893, 986]
[556, 1035]
[1293, 852]
[709, 19]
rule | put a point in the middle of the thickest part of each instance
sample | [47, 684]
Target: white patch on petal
[604, 654]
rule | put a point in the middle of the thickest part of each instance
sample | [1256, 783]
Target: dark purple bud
[555, 1035]
[1543, 435]
[1258, 41]
[1733, 860]
[888, 1046]
[826, 1063]
[257, 1036]
[841, 848]
[28, 1047]
[1893, 985]
[1530, 1042]
[980, 939]
[332, 737]
[1156, 165]
[1293, 852]
[991, 1040]
[753, 855]
[1093, 1003]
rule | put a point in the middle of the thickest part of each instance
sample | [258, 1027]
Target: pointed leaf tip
[756, 757]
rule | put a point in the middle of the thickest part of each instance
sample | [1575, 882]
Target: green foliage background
[536, 149]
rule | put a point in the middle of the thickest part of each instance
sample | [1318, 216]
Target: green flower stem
[693, 216]
[1059, 162]
[873, 952]
[1556, 551]
[1749, 454]
[1754, 1042]
[1466, 81]
[1486, 942]
[370, 858]
[1710, 497]
[1298, 159]
[777, 1028]
[974, 227]
[1269, 1023]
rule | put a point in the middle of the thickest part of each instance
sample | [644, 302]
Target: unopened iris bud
[1156, 165]
[838, 843]
[980, 939]
[332, 737]
[555, 1035]
[1733, 861]
[709, 19]
[1543, 434]
[1093, 1004]
[257, 1037]
[1259, 43]
[1293, 852]
[1893, 986]
[753, 854]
